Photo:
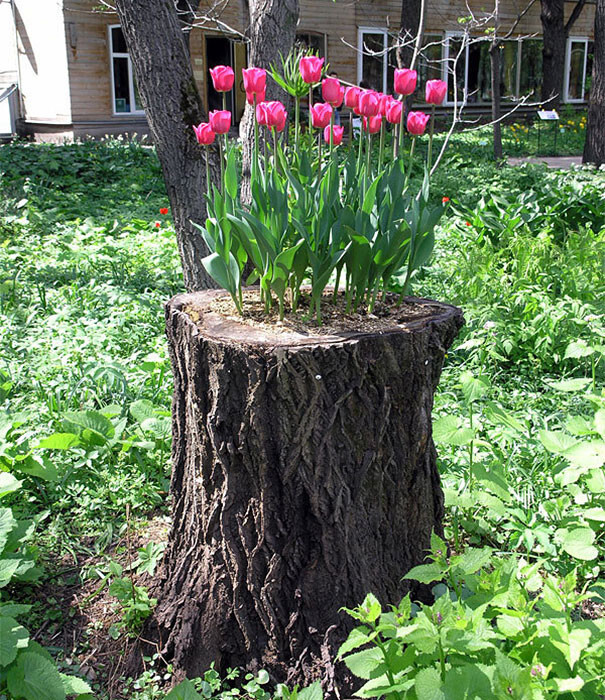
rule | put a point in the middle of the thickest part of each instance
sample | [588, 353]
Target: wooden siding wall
[44, 82]
[87, 45]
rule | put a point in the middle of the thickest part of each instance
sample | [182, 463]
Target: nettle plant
[320, 212]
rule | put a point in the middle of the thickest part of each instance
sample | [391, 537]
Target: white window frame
[575, 40]
[385, 45]
[116, 54]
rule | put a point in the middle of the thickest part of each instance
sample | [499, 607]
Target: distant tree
[554, 35]
[594, 149]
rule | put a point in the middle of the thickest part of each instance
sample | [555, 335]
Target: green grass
[84, 273]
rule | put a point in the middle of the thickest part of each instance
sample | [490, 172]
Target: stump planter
[304, 477]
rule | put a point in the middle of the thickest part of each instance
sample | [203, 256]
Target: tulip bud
[435, 91]
[417, 122]
[368, 103]
[220, 121]
[405, 81]
[372, 124]
[321, 113]
[337, 133]
[204, 134]
[255, 80]
[310, 68]
[331, 91]
[352, 97]
[222, 78]
[275, 115]
[393, 111]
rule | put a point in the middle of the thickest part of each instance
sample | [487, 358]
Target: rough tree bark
[304, 476]
[494, 54]
[272, 31]
[554, 36]
[408, 31]
[594, 148]
[172, 104]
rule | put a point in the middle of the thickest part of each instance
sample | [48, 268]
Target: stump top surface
[199, 308]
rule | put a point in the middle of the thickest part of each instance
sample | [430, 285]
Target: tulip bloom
[383, 101]
[204, 134]
[220, 121]
[275, 115]
[260, 97]
[337, 133]
[331, 91]
[393, 111]
[372, 124]
[310, 68]
[436, 91]
[222, 78]
[405, 81]
[261, 114]
[164, 211]
[321, 113]
[368, 104]
[417, 122]
[352, 97]
[255, 80]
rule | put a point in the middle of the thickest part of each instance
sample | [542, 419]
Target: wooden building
[75, 77]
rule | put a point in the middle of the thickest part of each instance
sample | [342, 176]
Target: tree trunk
[408, 31]
[494, 54]
[304, 476]
[594, 149]
[272, 31]
[172, 104]
[554, 37]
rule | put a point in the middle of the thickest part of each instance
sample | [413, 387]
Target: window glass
[479, 72]
[577, 61]
[314, 42]
[509, 53]
[118, 43]
[372, 66]
[430, 59]
[121, 85]
[531, 66]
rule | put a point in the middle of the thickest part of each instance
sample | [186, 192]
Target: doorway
[221, 51]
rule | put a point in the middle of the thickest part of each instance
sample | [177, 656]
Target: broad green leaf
[8, 567]
[7, 525]
[312, 692]
[364, 663]
[8, 483]
[492, 480]
[183, 691]
[428, 685]
[578, 543]
[160, 428]
[597, 514]
[12, 638]
[578, 348]
[142, 409]
[59, 441]
[425, 573]
[357, 638]
[568, 685]
[92, 426]
[448, 431]
[586, 454]
[74, 685]
[571, 644]
[556, 440]
[371, 607]
[497, 415]
[473, 387]
[35, 678]
[595, 481]
[570, 384]
[472, 560]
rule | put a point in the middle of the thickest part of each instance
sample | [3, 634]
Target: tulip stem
[430, 154]
[359, 154]
[380, 148]
[220, 157]
[319, 153]
[369, 151]
[409, 172]
[255, 134]
[207, 173]
[395, 135]
[401, 128]
[331, 133]
[310, 104]
[296, 121]
[275, 160]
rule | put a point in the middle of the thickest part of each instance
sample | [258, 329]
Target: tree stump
[304, 477]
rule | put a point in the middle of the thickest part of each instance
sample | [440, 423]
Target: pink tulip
[352, 97]
[436, 91]
[372, 124]
[405, 81]
[310, 68]
[255, 80]
[321, 113]
[417, 122]
[393, 111]
[275, 115]
[222, 78]
[260, 97]
[204, 134]
[261, 113]
[220, 121]
[368, 103]
[337, 132]
[382, 103]
[330, 90]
